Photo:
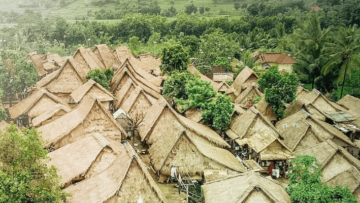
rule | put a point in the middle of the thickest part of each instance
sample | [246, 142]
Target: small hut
[247, 96]
[51, 115]
[104, 54]
[160, 116]
[350, 103]
[246, 187]
[127, 179]
[89, 117]
[265, 109]
[95, 91]
[87, 60]
[36, 104]
[177, 148]
[246, 77]
[339, 167]
[37, 61]
[84, 158]
[65, 80]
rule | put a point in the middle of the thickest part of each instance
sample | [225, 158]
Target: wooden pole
[187, 193]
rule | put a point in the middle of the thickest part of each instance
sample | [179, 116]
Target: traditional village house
[104, 54]
[266, 110]
[65, 80]
[87, 61]
[178, 149]
[245, 78]
[84, 158]
[51, 115]
[252, 165]
[338, 166]
[254, 137]
[247, 96]
[223, 77]
[193, 114]
[37, 61]
[195, 71]
[36, 104]
[245, 187]
[160, 116]
[224, 88]
[95, 91]
[283, 61]
[152, 64]
[89, 117]
[352, 104]
[127, 179]
[53, 62]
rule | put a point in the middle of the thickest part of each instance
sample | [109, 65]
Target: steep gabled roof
[83, 90]
[56, 130]
[351, 103]
[135, 97]
[37, 61]
[25, 105]
[276, 58]
[87, 60]
[265, 109]
[250, 92]
[74, 160]
[104, 54]
[242, 78]
[215, 85]
[48, 114]
[110, 182]
[245, 187]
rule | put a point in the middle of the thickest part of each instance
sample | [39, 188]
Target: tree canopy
[101, 77]
[174, 58]
[3, 115]
[175, 84]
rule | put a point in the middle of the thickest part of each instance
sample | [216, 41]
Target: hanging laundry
[173, 173]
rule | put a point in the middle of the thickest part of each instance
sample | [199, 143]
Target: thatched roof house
[246, 77]
[193, 114]
[51, 115]
[84, 158]
[161, 116]
[37, 103]
[215, 85]
[190, 156]
[126, 180]
[265, 109]
[104, 54]
[87, 60]
[350, 103]
[37, 61]
[248, 95]
[320, 130]
[89, 117]
[94, 90]
[339, 167]
[256, 131]
[65, 80]
[246, 187]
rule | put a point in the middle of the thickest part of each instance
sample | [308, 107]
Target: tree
[192, 43]
[101, 77]
[202, 10]
[175, 84]
[16, 74]
[134, 43]
[236, 5]
[280, 89]
[221, 61]
[344, 53]
[218, 113]
[174, 58]
[3, 115]
[24, 175]
[305, 183]
[189, 9]
[200, 93]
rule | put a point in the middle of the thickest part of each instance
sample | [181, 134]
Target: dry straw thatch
[37, 103]
[350, 103]
[37, 61]
[87, 60]
[161, 115]
[125, 180]
[178, 148]
[247, 187]
[4, 125]
[339, 167]
[104, 54]
[50, 115]
[248, 95]
[265, 109]
[194, 115]
[92, 89]
[259, 134]
[84, 159]
[246, 77]
[89, 117]
[252, 165]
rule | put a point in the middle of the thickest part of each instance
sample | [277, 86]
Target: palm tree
[344, 53]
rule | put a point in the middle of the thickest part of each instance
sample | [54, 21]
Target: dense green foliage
[280, 89]
[174, 58]
[218, 112]
[175, 84]
[24, 175]
[3, 115]
[221, 61]
[305, 183]
[101, 77]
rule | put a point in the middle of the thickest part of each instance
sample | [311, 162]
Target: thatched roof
[294, 107]
[65, 80]
[351, 103]
[92, 89]
[339, 166]
[265, 109]
[194, 115]
[145, 62]
[247, 96]
[221, 77]
[278, 58]
[252, 165]
[161, 115]
[178, 148]
[37, 61]
[259, 134]
[30, 102]
[89, 117]
[320, 128]
[246, 187]
[245, 77]
[215, 85]
[56, 110]
[4, 125]
[125, 180]
[87, 60]
[104, 54]
[84, 158]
